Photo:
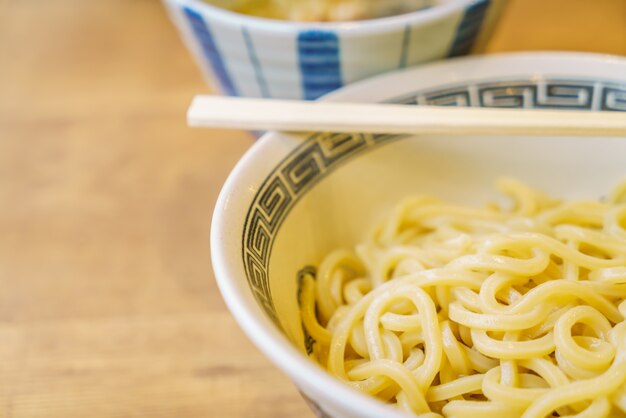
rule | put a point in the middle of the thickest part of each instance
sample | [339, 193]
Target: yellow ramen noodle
[454, 311]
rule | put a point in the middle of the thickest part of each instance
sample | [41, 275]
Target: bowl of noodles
[303, 49]
[397, 276]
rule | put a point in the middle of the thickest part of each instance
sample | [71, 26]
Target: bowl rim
[236, 293]
[265, 334]
[381, 24]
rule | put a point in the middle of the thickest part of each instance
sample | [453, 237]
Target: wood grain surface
[108, 307]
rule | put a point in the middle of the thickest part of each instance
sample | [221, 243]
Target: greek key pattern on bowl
[321, 153]
[294, 176]
[317, 410]
[543, 94]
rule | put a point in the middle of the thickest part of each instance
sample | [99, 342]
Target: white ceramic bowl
[248, 56]
[292, 199]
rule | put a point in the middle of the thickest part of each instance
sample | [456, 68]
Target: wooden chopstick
[324, 116]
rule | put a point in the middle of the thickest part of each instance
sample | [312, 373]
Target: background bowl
[243, 55]
[293, 199]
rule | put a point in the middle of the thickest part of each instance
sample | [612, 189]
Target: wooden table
[108, 307]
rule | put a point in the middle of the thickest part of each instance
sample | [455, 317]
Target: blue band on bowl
[320, 65]
[211, 51]
[468, 29]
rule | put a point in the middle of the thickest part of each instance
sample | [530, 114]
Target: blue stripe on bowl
[406, 41]
[254, 59]
[320, 66]
[211, 51]
[468, 28]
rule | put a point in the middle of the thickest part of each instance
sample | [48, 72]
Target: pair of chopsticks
[323, 116]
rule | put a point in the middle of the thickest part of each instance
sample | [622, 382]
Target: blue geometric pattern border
[289, 181]
[321, 153]
[528, 94]
[317, 410]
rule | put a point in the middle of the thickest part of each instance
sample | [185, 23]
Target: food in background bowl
[329, 10]
[466, 312]
[292, 200]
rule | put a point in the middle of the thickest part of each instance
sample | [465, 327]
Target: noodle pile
[460, 312]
